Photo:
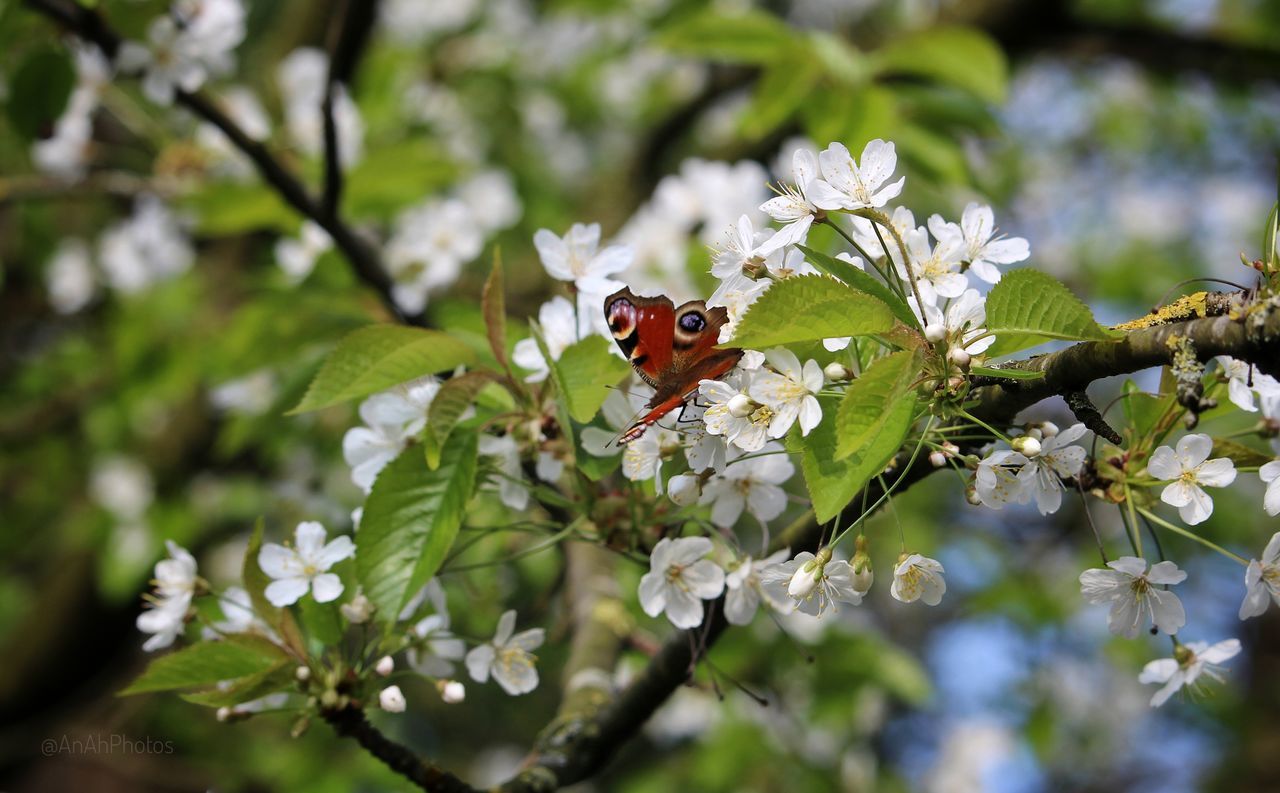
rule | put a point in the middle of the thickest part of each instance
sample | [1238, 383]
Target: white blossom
[437, 648]
[576, 257]
[69, 276]
[123, 486]
[562, 326]
[175, 583]
[251, 395]
[428, 247]
[305, 566]
[789, 391]
[65, 153]
[996, 484]
[297, 257]
[1244, 380]
[1262, 579]
[303, 78]
[810, 583]
[962, 322]
[1269, 473]
[745, 590]
[679, 578]
[793, 207]
[1191, 471]
[936, 267]
[492, 198]
[185, 48]
[508, 657]
[1039, 475]
[452, 691]
[918, 577]
[846, 184]
[509, 479]
[242, 106]
[982, 249]
[148, 247]
[391, 419]
[742, 248]
[747, 429]
[1132, 591]
[410, 22]
[752, 484]
[1189, 661]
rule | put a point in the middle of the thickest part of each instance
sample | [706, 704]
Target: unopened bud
[863, 575]
[935, 332]
[740, 406]
[358, 610]
[971, 495]
[685, 489]
[302, 673]
[959, 357]
[937, 459]
[224, 713]
[805, 580]
[1048, 429]
[329, 699]
[1026, 446]
[950, 449]
[836, 372]
[451, 691]
[385, 666]
[391, 699]
[1034, 432]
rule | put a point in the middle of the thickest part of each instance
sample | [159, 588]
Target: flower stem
[1192, 536]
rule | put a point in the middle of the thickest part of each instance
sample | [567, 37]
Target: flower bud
[391, 699]
[224, 714]
[451, 691]
[937, 459]
[1048, 429]
[685, 489]
[959, 357]
[863, 575]
[358, 610]
[836, 372]
[329, 699]
[1034, 432]
[950, 449]
[302, 673]
[935, 332]
[740, 406]
[971, 495]
[385, 666]
[1026, 446]
[805, 580]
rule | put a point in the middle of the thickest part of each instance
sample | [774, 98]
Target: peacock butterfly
[672, 349]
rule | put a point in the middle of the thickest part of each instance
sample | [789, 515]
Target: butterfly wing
[689, 342]
[644, 328]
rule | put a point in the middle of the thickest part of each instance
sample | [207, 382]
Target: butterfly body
[672, 349]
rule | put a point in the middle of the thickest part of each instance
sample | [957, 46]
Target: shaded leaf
[451, 401]
[959, 56]
[862, 281]
[587, 370]
[38, 92]
[869, 399]
[206, 663]
[749, 37]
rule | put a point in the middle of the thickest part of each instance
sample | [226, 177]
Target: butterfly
[672, 349]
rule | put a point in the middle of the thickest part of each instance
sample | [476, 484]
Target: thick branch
[363, 257]
[351, 723]
[348, 37]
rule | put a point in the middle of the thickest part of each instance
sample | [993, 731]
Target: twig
[363, 257]
[1087, 414]
[351, 723]
[348, 37]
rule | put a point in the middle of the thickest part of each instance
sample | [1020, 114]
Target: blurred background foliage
[1131, 141]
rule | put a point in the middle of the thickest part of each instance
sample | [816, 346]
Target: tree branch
[351, 723]
[364, 257]
[348, 37]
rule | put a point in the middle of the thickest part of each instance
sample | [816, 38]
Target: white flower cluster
[194, 41]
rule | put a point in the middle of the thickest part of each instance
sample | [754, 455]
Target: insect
[672, 349]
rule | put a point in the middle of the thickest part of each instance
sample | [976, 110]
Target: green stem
[1192, 536]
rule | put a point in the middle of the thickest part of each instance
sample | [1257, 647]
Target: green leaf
[839, 58]
[833, 483]
[1269, 236]
[1142, 410]
[38, 92]
[322, 621]
[392, 177]
[959, 56]
[749, 37]
[206, 663]
[226, 208]
[780, 92]
[410, 521]
[277, 677]
[853, 116]
[939, 157]
[1028, 307]
[377, 357]
[1008, 374]
[587, 371]
[1243, 456]
[810, 307]
[869, 398]
[453, 399]
[862, 281]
